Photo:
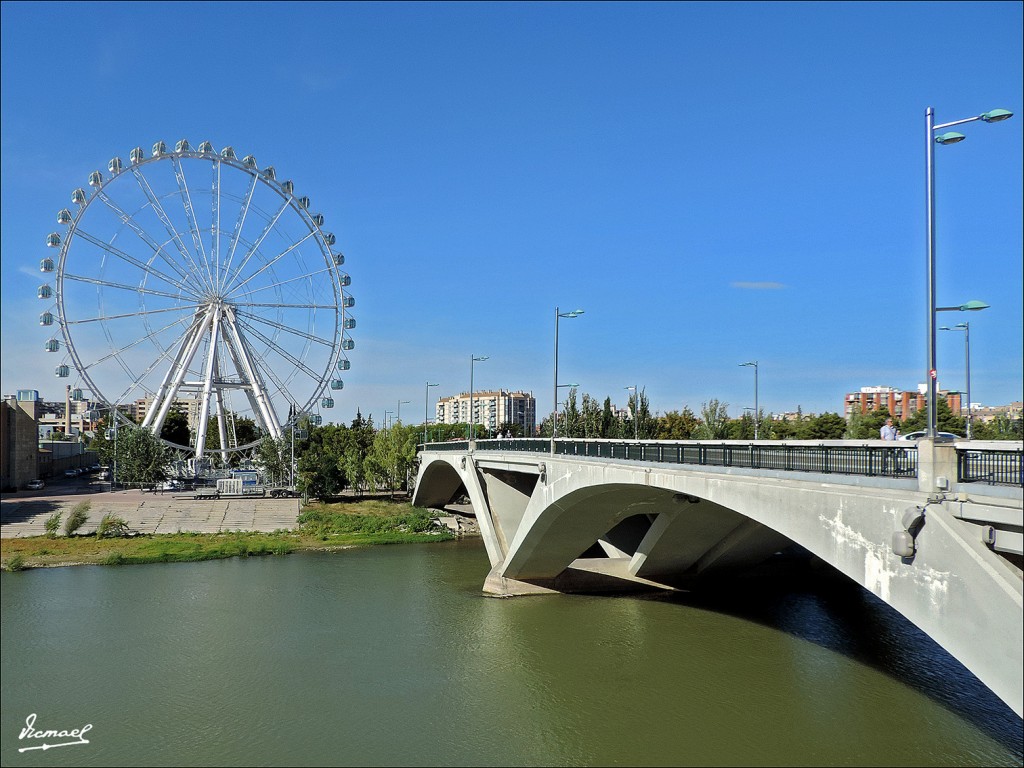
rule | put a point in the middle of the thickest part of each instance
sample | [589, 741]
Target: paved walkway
[25, 513]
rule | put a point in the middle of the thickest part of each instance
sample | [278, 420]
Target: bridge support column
[934, 461]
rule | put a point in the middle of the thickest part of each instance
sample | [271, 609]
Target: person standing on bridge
[888, 431]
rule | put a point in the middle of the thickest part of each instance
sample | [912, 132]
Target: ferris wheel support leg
[190, 347]
[197, 322]
[211, 368]
[222, 418]
[259, 391]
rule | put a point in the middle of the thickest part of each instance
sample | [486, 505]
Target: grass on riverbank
[321, 526]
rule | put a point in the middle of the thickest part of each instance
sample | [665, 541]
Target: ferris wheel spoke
[254, 247]
[148, 336]
[104, 318]
[271, 286]
[161, 214]
[215, 222]
[239, 222]
[143, 235]
[286, 328]
[273, 261]
[131, 260]
[193, 225]
[284, 306]
[301, 365]
[121, 286]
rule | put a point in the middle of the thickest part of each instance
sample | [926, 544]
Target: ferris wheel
[193, 281]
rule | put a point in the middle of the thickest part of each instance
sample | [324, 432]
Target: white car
[35, 485]
[943, 436]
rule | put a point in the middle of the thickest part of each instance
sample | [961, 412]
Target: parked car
[70, 473]
[35, 485]
[921, 433]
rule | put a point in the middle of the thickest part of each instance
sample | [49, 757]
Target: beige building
[492, 409]
[189, 406]
[19, 446]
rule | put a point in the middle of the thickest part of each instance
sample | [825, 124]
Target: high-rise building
[492, 409]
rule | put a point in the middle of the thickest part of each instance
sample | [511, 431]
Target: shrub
[53, 524]
[16, 563]
[111, 527]
[77, 518]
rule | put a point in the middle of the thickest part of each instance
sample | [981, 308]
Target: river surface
[391, 656]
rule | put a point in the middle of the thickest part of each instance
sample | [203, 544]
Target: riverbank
[330, 527]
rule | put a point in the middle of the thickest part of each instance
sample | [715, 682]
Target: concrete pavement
[24, 513]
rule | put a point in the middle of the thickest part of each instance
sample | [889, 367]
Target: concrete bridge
[933, 529]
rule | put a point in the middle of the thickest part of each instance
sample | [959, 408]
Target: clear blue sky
[713, 183]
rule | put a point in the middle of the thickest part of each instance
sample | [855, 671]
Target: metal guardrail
[869, 460]
[989, 466]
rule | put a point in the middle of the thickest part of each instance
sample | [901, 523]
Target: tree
[274, 457]
[175, 428]
[827, 426]
[677, 426]
[714, 421]
[391, 457]
[608, 420]
[866, 426]
[945, 420]
[590, 417]
[142, 458]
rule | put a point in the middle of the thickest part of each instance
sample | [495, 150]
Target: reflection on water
[391, 656]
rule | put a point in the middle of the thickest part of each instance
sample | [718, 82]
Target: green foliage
[413, 524]
[175, 428]
[142, 458]
[52, 524]
[945, 420]
[1002, 427]
[79, 514]
[111, 527]
[677, 426]
[273, 457]
[714, 423]
[827, 426]
[391, 457]
[16, 563]
[867, 426]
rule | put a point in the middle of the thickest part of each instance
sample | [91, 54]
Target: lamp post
[966, 328]
[952, 137]
[472, 360]
[636, 408]
[426, 407]
[756, 412]
[559, 315]
[386, 424]
[398, 416]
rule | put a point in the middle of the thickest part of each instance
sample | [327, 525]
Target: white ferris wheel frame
[210, 279]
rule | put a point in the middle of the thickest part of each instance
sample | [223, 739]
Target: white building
[492, 409]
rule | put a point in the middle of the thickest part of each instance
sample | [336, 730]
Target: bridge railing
[872, 460]
[992, 466]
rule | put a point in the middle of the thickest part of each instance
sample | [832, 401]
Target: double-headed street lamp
[426, 406]
[472, 360]
[757, 413]
[931, 139]
[559, 315]
[966, 328]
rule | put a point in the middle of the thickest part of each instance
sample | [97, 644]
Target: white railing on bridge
[998, 464]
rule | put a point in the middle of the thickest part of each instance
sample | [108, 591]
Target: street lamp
[756, 412]
[398, 416]
[558, 315]
[966, 328]
[472, 360]
[636, 408]
[426, 406]
[386, 424]
[952, 137]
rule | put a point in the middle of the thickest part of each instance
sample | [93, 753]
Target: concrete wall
[19, 450]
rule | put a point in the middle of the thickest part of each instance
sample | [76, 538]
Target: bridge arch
[672, 526]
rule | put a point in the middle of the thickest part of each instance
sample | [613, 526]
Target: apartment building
[902, 404]
[491, 409]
